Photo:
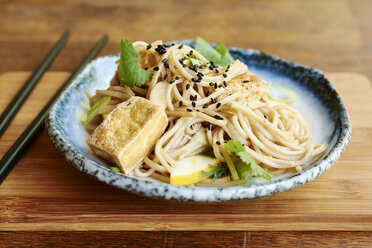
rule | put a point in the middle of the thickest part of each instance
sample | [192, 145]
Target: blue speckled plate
[319, 103]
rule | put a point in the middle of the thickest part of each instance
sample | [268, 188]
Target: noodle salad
[196, 117]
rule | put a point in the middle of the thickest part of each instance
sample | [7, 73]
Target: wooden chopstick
[11, 110]
[14, 153]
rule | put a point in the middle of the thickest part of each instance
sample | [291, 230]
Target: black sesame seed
[218, 105]
[191, 52]
[213, 101]
[246, 81]
[194, 79]
[189, 110]
[216, 71]
[218, 143]
[205, 106]
[200, 75]
[209, 126]
[164, 60]
[224, 75]
[180, 47]
[174, 122]
[148, 46]
[184, 65]
[171, 82]
[218, 117]
[215, 85]
[176, 78]
[156, 68]
[162, 52]
[224, 83]
[210, 68]
[211, 84]
[180, 103]
[166, 65]
[165, 77]
[207, 94]
[193, 104]
[220, 86]
[197, 110]
[196, 97]
[187, 86]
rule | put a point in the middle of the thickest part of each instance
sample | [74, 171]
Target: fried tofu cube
[252, 88]
[129, 132]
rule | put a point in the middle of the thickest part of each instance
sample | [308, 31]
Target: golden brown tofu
[129, 132]
[253, 90]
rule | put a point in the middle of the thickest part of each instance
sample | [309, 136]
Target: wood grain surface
[332, 35]
[45, 193]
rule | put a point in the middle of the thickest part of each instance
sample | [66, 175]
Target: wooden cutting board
[44, 192]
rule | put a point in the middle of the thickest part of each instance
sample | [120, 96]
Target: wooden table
[44, 194]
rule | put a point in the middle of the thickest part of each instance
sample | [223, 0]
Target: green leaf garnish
[193, 59]
[97, 106]
[219, 56]
[130, 72]
[246, 167]
[115, 169]
[216, 173]
[208, 153]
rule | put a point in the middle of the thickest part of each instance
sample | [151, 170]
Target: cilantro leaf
[246, 167]
[216, 173]
[130, 72]
[219, 55]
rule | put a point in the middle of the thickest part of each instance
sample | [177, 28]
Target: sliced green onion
[97, 106]
[115, 169]
[282, 95]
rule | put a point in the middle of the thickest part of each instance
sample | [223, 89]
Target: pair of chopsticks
[14, 153]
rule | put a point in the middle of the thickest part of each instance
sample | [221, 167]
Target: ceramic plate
[318, 102]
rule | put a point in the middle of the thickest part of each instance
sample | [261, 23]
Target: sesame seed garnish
[165, 77]
[180, 47]
[197, 110]
[193, 104]
[200, 75]
[218, 143]
[218, 117]
[148, 46]
[194, 79]
[210, 68]
[211, 84]
[171, 82]
[196, 97]
[180, 103]
[174, 122]
[156, 68]
[215, 85]
[224, 75]
[187, 86]
[217, 71]
[164, 60]
[246, 81]
[220, 86]
[213, 101]
[224, 83]
[205, 106]
[166, 65]
[208, 93]
[191, 52]
[189, 110]
[218, 105]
